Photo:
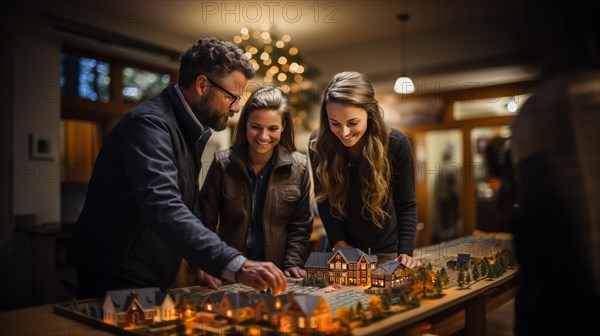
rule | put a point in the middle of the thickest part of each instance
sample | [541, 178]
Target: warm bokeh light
[278, 62]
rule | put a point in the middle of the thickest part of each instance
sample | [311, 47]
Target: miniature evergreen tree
[501, 264]
[485, 266]
[468, 279]
[376, 307]
[461, 278]
[308, 280]
[352, 313]
[437, 286]
[414, 302]
[512, 260]
[422, 276]
[444, 277]
[74, 306]
[386, 301]
[343, 315]
[359, 312]
[403, 299]
[475, 271]
[491, 273]
[429, 267]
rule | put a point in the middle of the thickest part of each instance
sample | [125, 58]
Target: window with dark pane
[84, 77]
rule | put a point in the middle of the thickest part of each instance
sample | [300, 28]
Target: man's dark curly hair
[214, 58]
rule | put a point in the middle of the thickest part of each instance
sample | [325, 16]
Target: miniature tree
[492, 271]
[414, 302]
[484, 266]
[343, 315]
[376, 307]
[443, 275]
[308, 280]
[359, 312]
[312, 280]
[403, 299]
[85, 310]
[511, 260]
[95, 311]
[437, 286]
[497, 269]
[386, 301]
[468, 279]
[475, 271]
[74, 306]
[461, 278]
[422, 276]
[501, 261]
[429, 267]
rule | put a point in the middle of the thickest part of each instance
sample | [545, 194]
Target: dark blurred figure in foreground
[556, 154]
[500, 174]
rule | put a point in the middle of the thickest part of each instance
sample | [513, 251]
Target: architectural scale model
[344, 289]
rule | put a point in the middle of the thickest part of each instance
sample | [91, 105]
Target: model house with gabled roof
[268, 308]
[143, 306]
[317, 265]
[343, 266]
[237, 306]
[305, 314]
[212, 301]
[391, 274]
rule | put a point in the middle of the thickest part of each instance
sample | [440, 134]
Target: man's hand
[342, 244]
[407, 261]
[203, 278]
[295, 272]
[261, 275]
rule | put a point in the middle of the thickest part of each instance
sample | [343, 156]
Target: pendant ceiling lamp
[403, 85]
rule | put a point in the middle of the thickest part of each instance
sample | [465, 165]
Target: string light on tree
[280, 63]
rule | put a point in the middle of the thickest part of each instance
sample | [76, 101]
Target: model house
[343, 266]
[143, 306]
[237, 306]
[212, 301]
[390, 275]
[269, 308]
[305, 314]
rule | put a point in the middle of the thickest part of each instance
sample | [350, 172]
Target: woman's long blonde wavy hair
[355, 89]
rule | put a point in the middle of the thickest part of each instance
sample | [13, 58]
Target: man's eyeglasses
[234, 97]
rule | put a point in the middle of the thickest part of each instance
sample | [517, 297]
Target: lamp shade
[404, 85]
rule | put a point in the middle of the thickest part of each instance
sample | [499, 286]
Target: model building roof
[148, 298]
[307, 303]
[318, 259]
[237, 300]
[390, 267]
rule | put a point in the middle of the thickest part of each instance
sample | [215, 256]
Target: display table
[41, 320]
[458, 309]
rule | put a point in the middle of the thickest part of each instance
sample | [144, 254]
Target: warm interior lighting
[403, 85]
[512, 105]
[265, 49]
[278, 62]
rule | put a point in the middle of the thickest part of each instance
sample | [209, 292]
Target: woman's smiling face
[347, 122]
[263, 130]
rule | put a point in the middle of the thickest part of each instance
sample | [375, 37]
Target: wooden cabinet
[80, 143]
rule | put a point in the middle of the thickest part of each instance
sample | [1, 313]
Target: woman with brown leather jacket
[256, 194]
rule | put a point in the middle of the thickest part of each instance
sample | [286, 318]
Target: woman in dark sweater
[363, 173]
